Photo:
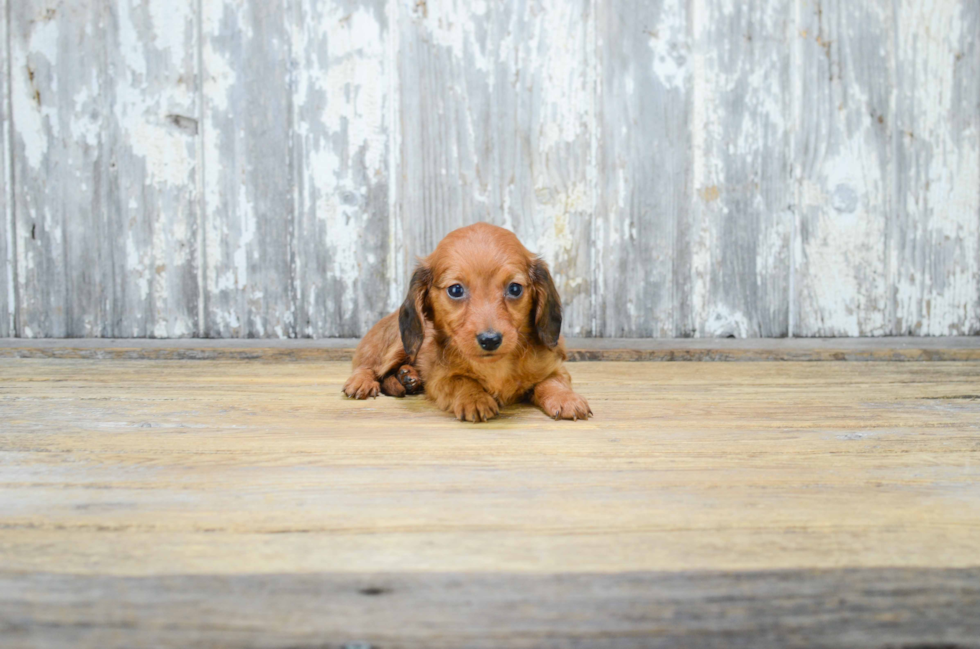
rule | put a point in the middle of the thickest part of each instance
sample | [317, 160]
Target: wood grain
[341, 74]
[935, 349]
[845, 153]
[249, 238]
[497, 125]
[225, 467]
[248, 504]
[643, 211]
[842, 608]
[60, 169]
[8, 261]
[740, 229]
[935, 235]
[150, 133]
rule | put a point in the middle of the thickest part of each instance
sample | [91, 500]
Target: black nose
[490, 340]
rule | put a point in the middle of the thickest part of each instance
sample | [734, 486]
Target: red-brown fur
[438, 335]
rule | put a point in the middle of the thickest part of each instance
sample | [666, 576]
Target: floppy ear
[410, 315]
[547, 304]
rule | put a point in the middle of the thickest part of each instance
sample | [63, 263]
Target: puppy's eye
[456, 291]
[515, 290]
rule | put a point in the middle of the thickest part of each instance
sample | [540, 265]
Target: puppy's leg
[463, 397]
[410, 379]
[392, 386]
[378, 353]
[554, 395]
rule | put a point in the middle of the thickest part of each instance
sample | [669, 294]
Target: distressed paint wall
[8, 291]
[234, 168]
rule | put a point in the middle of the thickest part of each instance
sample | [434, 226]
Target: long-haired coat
[481, 325]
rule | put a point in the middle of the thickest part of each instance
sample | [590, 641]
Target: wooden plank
[497, 117]
[644, 161]
[935, 235]
[747, 504]
[150, 139]
[60, 168]
[8, 262]
[228, 467]
[341, 153]
[829, 608]
[579, 349]
[741, 225]
[845, 168]
[249, 220]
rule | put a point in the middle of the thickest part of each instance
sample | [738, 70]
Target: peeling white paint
[847, 250]
[567, 112]
[943, 198]
[7, 244]
[451, 24]
[142, 109]
[722, 322]
[671, 51]
[557, 244]
[355, 70]
[514, 137]
[34, 113]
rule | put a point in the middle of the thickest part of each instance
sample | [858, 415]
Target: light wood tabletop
[232, 503]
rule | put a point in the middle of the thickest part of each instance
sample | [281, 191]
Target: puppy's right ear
[410, 316]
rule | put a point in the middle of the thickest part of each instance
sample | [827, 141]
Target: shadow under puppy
[481, 324]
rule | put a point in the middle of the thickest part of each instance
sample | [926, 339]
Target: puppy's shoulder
[540, 362]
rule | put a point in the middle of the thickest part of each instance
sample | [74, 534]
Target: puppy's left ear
[411, 314]
[547, 304]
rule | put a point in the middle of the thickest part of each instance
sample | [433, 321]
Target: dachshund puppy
[481, 324]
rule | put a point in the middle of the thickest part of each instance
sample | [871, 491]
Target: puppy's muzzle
[489, 340]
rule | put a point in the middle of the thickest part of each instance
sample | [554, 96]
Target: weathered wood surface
[740, 172]
[497, 124]
[687, 167]
[152, 104]
[643, 205]
[343, 70]
[832, 609]
[724, 504]
[579, 349]
[62, 246]
[846, 164]
[8, 294]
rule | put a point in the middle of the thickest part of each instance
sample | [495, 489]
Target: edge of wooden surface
[880, 608]
[953, 348]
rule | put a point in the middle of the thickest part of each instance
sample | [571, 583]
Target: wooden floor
[247, 504]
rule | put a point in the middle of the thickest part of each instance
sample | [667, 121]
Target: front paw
[362, 385]
[566, 405]
[478, 407]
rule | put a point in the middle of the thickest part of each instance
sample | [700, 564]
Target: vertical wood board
[8, 298]
[151, 131]
[64, 264]
[935, 242]
[845, 168]
[249, 218]
[644, 162]
[740, 224]
[340, 72]
[497, 125]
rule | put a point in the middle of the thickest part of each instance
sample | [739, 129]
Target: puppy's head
[485, 295]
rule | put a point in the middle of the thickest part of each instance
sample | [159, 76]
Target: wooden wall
[271, 168]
